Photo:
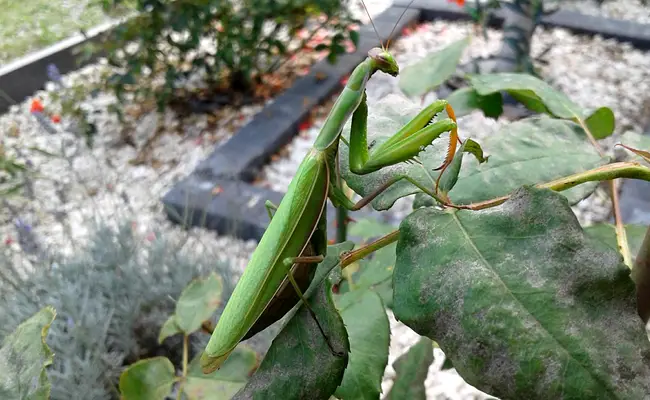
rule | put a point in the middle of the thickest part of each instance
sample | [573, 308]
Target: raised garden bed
[219, 194]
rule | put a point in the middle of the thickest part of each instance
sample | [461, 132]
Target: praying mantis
[296, 238]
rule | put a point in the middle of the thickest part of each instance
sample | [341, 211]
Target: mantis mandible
[296, 238]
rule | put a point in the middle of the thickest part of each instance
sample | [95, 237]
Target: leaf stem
[631, 170]
[590, 137]
[186, 345]
[355, 255]
[641, 276]
[621, 235]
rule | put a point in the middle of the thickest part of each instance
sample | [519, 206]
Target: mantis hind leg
[338, 196]
[270, 208]
[310, 259]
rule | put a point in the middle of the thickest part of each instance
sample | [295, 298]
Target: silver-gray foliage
[111, 300]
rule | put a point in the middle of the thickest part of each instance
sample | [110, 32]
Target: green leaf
[534, 92]
[354, 37]
[411, 370]
[168, 329]
[148, 379]
[539, 96]
[369, 228]
[606, 233]
[527, 152]
[433, 70]
[198, 302]
[601, 123]
[465, 100]
[24, 357]
[522, 301]
[450, 175]
[530, 151]
[368, 328]
[374, 272]
[224, 383]
[299, 364]
[329, 266]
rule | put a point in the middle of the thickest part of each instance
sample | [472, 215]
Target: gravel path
[82, 187]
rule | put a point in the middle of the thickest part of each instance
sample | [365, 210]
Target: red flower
[37, 106]
[56, 118]
[459, 2]
[304, 126]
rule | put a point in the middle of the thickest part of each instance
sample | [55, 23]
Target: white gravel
[629, 10]
[86, 186]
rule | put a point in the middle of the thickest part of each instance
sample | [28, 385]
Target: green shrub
[234, 44]
[111, 301]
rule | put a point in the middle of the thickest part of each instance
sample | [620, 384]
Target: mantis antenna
[373, 24]
[395, 26]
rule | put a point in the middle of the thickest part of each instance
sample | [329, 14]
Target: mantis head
[383, 61]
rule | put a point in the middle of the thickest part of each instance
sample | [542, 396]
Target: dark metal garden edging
[634, 33]
[218, 195]
[23, 77]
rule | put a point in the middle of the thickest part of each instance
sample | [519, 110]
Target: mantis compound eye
[384, 61]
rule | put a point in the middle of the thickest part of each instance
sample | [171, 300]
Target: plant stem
[621, 235]
[606, 172]
[641, 276]
[186, 345]
[355, 255]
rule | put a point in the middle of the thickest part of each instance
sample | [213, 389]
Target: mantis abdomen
[287, 237]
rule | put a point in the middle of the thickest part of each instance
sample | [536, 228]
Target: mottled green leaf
[368, 328]
[606, 233]
[224, 383]
[411, 370]
[168, 329]
[601, 123]
[198, 302]
[465, 100]
[148, 379]
[24, 356]
[299, 364]
[433, 70]
[522, 301]
[539, 96]
[527, 152]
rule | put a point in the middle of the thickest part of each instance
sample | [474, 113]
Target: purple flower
[20, 224]
[53, 73]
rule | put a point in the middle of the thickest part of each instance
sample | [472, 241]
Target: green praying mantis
[283, 264]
